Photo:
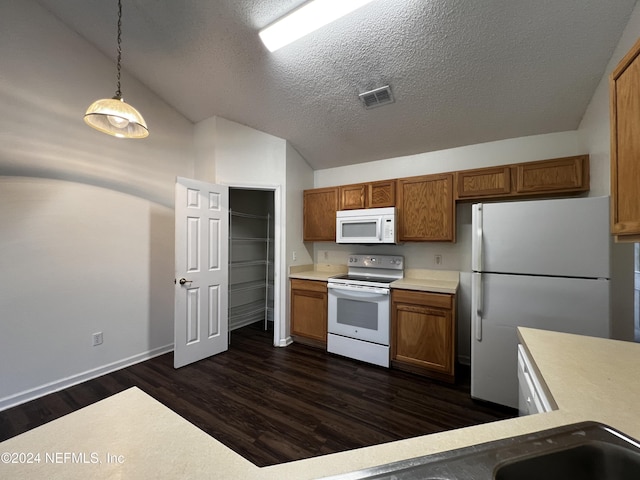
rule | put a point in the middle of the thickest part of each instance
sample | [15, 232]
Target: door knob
[184, 280]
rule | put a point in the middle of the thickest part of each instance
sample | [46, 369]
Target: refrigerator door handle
[476, 253]
[477, 306]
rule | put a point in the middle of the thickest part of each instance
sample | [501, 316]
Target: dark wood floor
[274, 405]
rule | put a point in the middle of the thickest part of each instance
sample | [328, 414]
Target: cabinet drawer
[437, 300]
[311, 285]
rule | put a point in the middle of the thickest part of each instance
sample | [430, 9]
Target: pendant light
[112, 115]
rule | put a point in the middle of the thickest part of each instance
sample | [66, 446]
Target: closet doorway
[252, 259]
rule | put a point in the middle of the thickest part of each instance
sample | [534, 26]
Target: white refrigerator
[541, 264]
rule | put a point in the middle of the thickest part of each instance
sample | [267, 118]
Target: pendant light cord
[118, 92]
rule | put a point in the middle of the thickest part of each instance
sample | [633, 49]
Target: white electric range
[360, 308]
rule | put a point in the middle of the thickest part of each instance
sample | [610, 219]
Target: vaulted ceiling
[462, 72]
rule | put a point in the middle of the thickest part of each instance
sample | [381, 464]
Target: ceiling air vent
[377, 97]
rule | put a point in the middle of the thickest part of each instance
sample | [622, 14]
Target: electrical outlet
[97, 339]
[294, 256]
[437, 259]
[326, 255]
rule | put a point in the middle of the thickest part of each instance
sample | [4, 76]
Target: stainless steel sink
[591, 461]
[585, 451]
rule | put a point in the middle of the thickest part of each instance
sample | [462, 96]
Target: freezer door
[504, 302]
[567, 237]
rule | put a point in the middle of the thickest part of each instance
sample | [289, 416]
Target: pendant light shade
[114, 116]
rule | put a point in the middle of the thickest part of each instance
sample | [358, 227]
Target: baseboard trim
[56, 386]
[285, 342]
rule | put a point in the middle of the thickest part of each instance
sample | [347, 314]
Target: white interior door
[202, 279]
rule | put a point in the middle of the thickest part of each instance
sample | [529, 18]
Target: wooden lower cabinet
[423, 333]
[309, 312]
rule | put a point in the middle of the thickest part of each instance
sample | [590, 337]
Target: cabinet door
[320, 206]
[426, 208]
[309, 309]
[353, 196]
[424, 337]
[484, 182]
[423, 333]
[381, 194]
[560, 175]
[624, 86]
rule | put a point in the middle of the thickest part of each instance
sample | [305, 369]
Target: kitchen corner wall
[591, 136]
[244, 157]
[455, 256]
[594, 137]
[86, 220]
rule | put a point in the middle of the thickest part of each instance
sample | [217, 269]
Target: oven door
[361, 313]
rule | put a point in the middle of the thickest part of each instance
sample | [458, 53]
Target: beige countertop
[437, 281]
[316, 272]
[589, 378]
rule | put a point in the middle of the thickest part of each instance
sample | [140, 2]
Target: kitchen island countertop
[134, 436]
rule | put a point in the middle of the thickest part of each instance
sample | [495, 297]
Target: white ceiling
[462, 71]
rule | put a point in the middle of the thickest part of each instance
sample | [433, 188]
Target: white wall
[243, 156]
[299, 178]
[86, 220]
[247, 156]
[517, 150]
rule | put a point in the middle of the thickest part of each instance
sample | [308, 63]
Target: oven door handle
[362, 291]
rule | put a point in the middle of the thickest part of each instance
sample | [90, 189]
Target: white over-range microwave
[369, 225]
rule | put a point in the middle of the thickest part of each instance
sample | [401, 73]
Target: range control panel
[386, 262]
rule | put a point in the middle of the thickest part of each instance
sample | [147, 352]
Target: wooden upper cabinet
[556, 176]
[381, 194]
[368, 195]
[568, 174]
[426, 208]
[319, 210]
[484, 182]
[352, 196]
[624, 89]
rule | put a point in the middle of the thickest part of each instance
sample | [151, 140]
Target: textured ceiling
[462, 72]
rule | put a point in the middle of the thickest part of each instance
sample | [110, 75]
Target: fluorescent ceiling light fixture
[308, 18]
